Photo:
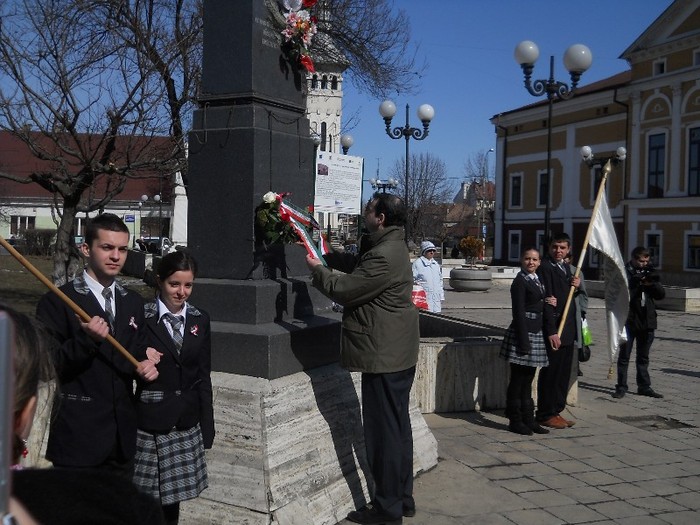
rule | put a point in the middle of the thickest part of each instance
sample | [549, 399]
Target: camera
[648, 274]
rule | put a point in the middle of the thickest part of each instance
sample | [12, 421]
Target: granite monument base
[290, 450]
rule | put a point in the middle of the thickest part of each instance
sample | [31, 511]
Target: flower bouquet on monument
[300, 28]
[277, 221]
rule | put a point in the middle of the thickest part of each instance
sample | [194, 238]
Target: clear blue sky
[468, 46]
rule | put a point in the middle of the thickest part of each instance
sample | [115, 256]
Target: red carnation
[308, 64]
[308, 3]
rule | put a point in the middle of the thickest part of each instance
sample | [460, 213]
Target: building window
[314, 82]
[19, 223]
[659, 67]
[596, 178]
[514, 245]
[694, 162]
[334, 82]
[656, 165]
[696, 58]
[516, 191]
[323, 137]
[324, 82]
[593, 258]
[652, 241]
[542, 190]
[693, 250]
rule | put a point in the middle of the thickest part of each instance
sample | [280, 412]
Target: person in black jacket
[175, 412]
[523, 345]
[94, 422]
[645, 288]
[553, 381]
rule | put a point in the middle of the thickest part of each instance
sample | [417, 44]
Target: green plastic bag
[587, 339]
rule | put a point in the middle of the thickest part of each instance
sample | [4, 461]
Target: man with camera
[645, 289]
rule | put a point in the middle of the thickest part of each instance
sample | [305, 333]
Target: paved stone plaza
[630, 461]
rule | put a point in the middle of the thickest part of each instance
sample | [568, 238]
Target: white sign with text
[338, 183]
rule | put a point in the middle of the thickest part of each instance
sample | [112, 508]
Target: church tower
[324, 107]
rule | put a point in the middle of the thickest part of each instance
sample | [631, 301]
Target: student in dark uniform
[94, 421]
[523, 345]
[553, 381]
[175, 412]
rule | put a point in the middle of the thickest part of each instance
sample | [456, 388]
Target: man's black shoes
[650, 393]
[371, 516]
[409, 512]
[619, 393]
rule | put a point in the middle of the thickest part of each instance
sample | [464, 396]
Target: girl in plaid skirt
[175, 412]
[523, 345]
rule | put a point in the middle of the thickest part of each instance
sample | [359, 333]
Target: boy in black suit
[94, 421]
[553, 381]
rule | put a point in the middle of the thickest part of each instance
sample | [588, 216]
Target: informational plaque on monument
[338, 183]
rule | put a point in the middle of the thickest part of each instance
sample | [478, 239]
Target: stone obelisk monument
[288, 446]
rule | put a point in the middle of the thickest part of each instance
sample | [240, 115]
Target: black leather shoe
[371, 516]
[409, 512]
[650, 393]
[619, 393]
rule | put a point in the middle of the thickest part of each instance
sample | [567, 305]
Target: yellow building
[653, 110]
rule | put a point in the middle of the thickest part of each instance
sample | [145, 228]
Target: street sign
[483, 229]
[129, 218]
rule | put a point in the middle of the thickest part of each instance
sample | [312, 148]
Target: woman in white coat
[427, 273]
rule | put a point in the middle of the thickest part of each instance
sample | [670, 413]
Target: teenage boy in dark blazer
[553, 381]
[94, 420]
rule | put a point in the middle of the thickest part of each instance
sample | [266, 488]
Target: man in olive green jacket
[380, 339]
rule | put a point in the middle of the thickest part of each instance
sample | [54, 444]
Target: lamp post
[346, 142]
[156, 198]
[482, 215]
[589, 158]
[140, 219]
[387, 110]
[378, 184]
[577, 59]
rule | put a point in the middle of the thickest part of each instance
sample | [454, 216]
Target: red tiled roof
[18, 161]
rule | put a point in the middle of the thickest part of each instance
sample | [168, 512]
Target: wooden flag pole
[607, 168]
[73, 306]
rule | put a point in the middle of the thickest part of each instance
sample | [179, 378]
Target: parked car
[152, 246]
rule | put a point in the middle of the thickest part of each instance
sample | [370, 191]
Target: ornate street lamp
[378, 184]
[577, 59]
[346, 142]
[387, 110]
[589, 158]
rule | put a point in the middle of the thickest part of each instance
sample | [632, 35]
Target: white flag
[617, 294]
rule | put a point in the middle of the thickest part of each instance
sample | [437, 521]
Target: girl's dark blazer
[527, 301]
[181, 397]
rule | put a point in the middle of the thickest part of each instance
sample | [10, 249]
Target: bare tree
[375, 38]
[97, 91]
[480, 193]
[476, 167]
[428, 191]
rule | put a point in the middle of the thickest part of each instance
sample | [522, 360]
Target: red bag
[418, 297]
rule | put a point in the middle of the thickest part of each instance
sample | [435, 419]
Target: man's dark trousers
[553, 383]
[389, 439]
[644, 339]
